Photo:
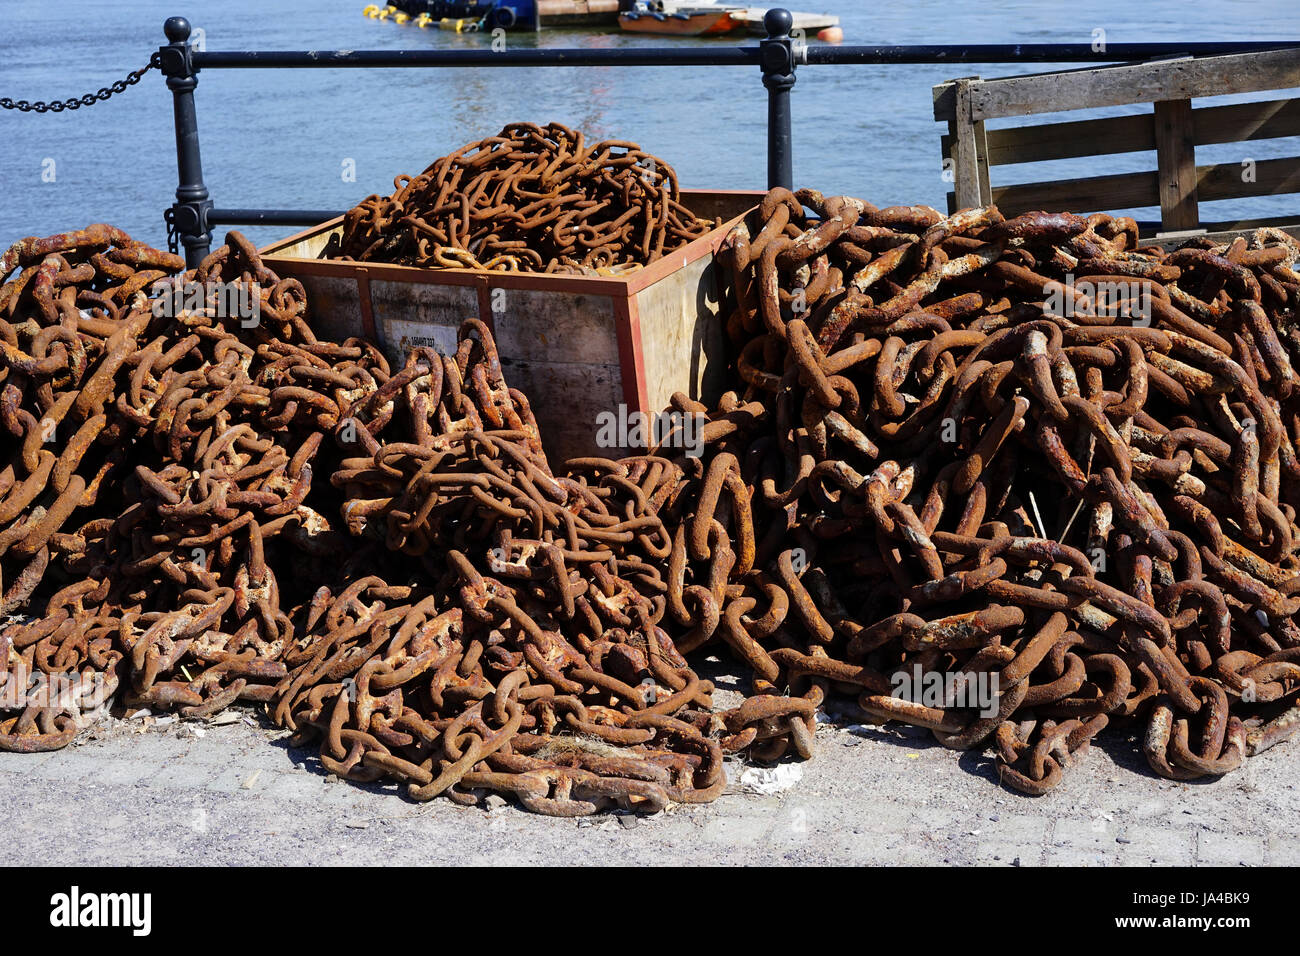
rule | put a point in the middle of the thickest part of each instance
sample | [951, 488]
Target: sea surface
[324, 139]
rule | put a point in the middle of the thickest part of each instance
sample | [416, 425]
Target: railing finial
[187, 219]
[776, 55]
[778, 22]
[177, 29]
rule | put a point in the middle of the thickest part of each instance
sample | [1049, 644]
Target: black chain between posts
[76, 103]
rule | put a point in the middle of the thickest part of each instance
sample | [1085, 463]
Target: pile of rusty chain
[533, 662]
[69, 320]
[1028, 452]
[530, 199]
[66, 322]
[162, 435]
[495, 627]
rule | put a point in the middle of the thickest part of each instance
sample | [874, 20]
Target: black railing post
[777, 58]
[187, 219]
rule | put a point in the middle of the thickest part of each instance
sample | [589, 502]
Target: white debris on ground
[769, 780]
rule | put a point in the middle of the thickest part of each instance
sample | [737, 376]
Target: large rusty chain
[1028, 449]
[530, 199]
[1030, 455]
[180, 482]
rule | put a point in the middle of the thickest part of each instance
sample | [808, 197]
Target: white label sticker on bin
[407, 335]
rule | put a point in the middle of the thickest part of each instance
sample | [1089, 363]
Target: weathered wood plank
[1135, 190]
[945, 101]
[982, 163]
[1183, 78]
[1266, 177]
[966, 184]
[1129, 190]
[1176, 164]
[1290, 223]
[1092, 194]
[1268, 119]
[949, 145]
[1044, 142]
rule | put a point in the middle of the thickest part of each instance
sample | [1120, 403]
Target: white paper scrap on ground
[768, 780]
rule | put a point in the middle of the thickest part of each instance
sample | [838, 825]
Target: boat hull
[688, 25]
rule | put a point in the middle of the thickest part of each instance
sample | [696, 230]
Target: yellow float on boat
[371, 11]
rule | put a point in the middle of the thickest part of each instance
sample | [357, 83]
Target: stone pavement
[239, 795]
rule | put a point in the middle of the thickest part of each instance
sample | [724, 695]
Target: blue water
[285, 138]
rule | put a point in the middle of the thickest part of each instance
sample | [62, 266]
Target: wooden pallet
[1172, 130]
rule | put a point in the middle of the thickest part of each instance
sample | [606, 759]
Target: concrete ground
[143, 792]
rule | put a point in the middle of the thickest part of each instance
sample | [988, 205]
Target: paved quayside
[132, 792]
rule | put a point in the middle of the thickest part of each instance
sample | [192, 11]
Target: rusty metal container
[576, 345]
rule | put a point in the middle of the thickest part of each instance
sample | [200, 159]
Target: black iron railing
[191, 217]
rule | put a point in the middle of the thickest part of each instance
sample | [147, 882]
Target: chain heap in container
[1027, 455]
[531, 199]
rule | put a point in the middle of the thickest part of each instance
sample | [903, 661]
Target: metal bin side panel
[305, 245]
[557, 325]
[566, 399]
[334, 306]
[682, 344]
[409, 314]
